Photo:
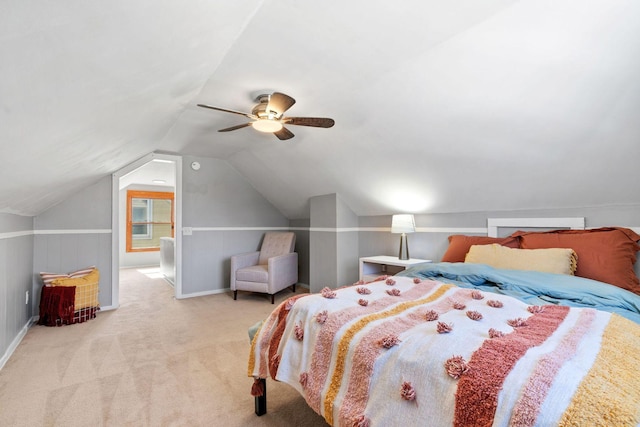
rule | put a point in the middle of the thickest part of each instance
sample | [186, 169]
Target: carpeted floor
[155, 361]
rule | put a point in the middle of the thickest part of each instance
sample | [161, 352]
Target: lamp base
[403, 253]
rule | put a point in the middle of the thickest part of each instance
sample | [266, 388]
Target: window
[149, 217]
[140, 218]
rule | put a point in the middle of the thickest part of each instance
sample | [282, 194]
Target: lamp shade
[403, 223]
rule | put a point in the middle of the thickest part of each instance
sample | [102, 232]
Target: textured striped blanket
[403, 351]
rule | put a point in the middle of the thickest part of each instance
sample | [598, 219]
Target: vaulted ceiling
[439, 106]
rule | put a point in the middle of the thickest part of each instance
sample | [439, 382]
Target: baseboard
[16, 341]
[222, 291]
[204, 293]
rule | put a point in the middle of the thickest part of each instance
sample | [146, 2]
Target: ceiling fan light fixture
[267, 125]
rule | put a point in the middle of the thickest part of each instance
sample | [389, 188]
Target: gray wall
[333, 243]
[432, 244]
[347, 243]
[75, 234]
[334, 251]
[301, 228]
[228, 217]
[227, 214]
[16, 277]
[322, 243]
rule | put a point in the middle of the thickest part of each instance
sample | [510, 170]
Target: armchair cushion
[255, 273]
[275, 244]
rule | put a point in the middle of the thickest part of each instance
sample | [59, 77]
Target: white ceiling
[156, 173]
[439, 106]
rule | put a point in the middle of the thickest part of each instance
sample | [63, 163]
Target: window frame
[149, 195]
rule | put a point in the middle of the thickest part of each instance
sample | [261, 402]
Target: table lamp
[403, 224]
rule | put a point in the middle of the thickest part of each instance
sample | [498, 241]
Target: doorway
[154, 172]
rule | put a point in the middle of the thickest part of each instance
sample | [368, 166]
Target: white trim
[13, 234]
[477, 230]
[223, 291]
[16, 341]
[115, 220]
[458, 230]
[572, 223]
[240, 228]
[334, 230]
[493, 222]
[177, 199]
[90, 231]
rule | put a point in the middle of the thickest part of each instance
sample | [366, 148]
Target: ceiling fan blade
[279, 103]
[251, 116]
[284, 134]
[244, 125]
[318, 122]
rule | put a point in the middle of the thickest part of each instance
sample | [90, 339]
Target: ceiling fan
[268, 116]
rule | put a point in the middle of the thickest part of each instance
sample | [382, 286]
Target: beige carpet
[155, 361]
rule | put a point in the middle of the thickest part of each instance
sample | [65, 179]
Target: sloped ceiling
[439, 106]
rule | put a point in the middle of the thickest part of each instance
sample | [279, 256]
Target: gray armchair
[269, 270]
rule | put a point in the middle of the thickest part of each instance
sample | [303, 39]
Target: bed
[466, 343]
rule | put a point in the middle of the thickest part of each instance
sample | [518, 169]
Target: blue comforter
[534, 288]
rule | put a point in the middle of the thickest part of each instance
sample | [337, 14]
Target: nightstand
[374, 266]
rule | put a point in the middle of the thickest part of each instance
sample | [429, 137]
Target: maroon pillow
[459, 245]
[604, 254]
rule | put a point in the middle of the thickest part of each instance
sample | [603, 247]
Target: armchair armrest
[241, 261]
[283, 271]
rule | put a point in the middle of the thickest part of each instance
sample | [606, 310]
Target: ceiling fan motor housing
[261, 109]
